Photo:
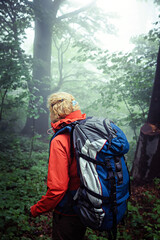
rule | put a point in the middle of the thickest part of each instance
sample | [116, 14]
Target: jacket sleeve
[58, 176]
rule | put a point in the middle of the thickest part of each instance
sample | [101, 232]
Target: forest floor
[142, 222]
[22, 176]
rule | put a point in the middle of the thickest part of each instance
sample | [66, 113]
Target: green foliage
[130, 80]
[23, 179]
[127, 85]
[157, 183]
[152, 227]
[95, 235]
[22, 184]
[121, 93]
[121, 88]
[15, 17]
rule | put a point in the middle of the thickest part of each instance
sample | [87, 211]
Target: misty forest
[74, 46]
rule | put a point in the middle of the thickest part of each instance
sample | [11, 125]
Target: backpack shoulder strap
[62, 130]
[69, 128]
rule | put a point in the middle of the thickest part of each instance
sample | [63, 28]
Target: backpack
[99, 145]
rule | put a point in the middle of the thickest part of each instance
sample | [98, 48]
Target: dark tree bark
[154, 110]
[146, 164]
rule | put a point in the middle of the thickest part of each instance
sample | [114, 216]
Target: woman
[63, 180]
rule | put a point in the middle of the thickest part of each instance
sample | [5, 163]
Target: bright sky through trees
[134, 17]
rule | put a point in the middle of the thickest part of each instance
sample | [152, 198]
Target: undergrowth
[23, 182]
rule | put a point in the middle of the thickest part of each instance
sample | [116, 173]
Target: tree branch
[8, 23]
[5, 29]
[6, 8]
[55, 5]
[71, 14]
[67, 46]
[54, 40]
[2, 103]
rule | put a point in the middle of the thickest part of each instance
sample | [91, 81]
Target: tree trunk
[45, 18]
[154, 110]
[45, 15]
[146, 164]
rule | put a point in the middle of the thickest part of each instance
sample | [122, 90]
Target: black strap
[95, 194]
[71, 143]
[114, 208]
[91, 159]
[111, 176]
[119, 170]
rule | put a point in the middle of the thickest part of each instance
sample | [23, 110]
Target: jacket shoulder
[61, 139]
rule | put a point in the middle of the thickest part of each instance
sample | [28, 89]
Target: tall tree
[146, 163]
[47, 19]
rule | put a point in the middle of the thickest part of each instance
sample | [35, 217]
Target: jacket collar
[72, 117]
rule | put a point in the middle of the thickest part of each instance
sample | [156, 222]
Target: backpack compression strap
[111, 177]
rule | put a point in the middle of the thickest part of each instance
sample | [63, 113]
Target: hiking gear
[101, 200]
[62, 171]
[100, 147]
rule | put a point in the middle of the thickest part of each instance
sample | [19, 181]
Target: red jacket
[62, 170]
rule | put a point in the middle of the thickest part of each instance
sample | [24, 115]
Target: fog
[130, 18]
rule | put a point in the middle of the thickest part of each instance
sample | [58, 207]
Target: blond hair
[60, 105]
